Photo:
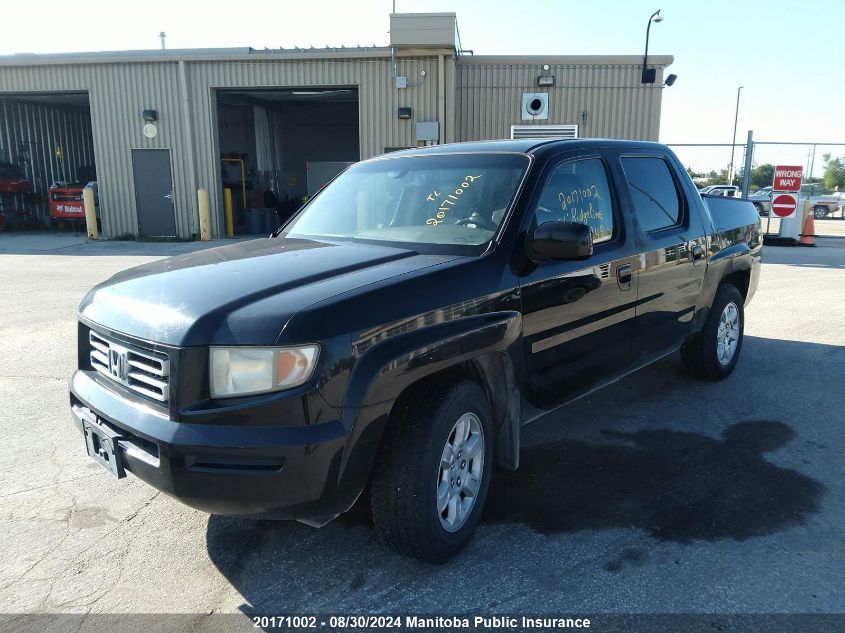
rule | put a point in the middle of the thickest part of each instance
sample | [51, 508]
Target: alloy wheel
[727, 336]
[460, 473]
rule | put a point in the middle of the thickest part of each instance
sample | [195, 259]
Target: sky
[789, 56]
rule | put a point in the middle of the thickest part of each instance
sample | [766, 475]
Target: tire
[820, 213]
[408, 476]
[713, 353]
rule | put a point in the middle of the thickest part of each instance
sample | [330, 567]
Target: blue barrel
[271, 221]
[254, 221]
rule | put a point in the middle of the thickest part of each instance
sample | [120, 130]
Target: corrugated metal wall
[617, 105]
[472, 101]
[379, 125]
[29, 134]
[118, 92]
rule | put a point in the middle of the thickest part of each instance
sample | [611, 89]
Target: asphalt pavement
[659, 494]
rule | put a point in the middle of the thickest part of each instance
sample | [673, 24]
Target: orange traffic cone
[808, 235]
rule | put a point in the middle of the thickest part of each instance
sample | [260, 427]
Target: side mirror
[562, 240]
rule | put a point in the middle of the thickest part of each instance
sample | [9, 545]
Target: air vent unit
[544, 131]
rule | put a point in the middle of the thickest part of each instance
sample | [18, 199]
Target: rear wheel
[433, 470]
[820, 213]
[713, 353]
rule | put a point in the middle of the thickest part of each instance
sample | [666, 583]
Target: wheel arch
[482, 349]
[494, 372]
[739, 279]
[734, 265]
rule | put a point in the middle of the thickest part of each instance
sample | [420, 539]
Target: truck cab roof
[526, 146]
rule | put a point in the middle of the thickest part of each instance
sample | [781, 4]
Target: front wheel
[433, 470]
[713, 353]
[820, 213]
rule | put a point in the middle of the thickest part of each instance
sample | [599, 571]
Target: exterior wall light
[546, 79]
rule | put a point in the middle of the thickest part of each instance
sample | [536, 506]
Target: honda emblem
[118, 364]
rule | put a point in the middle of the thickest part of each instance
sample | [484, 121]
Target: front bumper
[289, 472]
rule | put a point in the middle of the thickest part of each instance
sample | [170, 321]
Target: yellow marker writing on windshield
[450, 199]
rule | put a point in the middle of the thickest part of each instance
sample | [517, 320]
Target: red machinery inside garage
[14, 186]
[46, 159]
[13, 179]
[66, 202]
[65, 199]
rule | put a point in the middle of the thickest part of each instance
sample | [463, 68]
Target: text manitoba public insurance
[495, 622]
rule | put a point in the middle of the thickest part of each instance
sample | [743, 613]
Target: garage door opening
[46, 159]
[279, 146]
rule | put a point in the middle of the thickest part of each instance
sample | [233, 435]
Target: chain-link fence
[750, 167]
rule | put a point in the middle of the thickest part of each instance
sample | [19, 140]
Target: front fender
[385, 370]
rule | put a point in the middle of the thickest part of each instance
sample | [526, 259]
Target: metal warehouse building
[153, 127]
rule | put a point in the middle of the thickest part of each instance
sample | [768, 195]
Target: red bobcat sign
[788, 178]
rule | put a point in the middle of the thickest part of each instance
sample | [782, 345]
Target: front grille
[143, 372]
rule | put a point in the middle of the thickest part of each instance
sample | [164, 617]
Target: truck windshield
[456, 199]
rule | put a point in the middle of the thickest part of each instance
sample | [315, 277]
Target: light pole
[733, 143]
[649, 75]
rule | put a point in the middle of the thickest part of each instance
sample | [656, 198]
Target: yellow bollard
[205, 215]
[90, 213]
[227, 212]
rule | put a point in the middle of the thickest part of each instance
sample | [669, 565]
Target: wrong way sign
[788, 178]
[784, 205]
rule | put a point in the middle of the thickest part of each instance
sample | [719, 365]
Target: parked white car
[824, 206]
[720, 190]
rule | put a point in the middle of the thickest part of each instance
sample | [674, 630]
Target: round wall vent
[535, 105]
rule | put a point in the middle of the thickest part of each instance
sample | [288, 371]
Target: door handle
[624, 276]
[169, 196]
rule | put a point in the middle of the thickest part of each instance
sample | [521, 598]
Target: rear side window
[656, 200]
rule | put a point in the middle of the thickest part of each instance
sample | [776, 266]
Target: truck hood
[240, 294]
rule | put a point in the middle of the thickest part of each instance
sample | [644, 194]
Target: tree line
[833, 178]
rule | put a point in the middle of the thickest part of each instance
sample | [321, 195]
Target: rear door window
[657, 202]
[578, 191]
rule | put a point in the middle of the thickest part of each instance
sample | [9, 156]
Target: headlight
[240, 371]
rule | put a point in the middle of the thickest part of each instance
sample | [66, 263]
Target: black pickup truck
[393, 337]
